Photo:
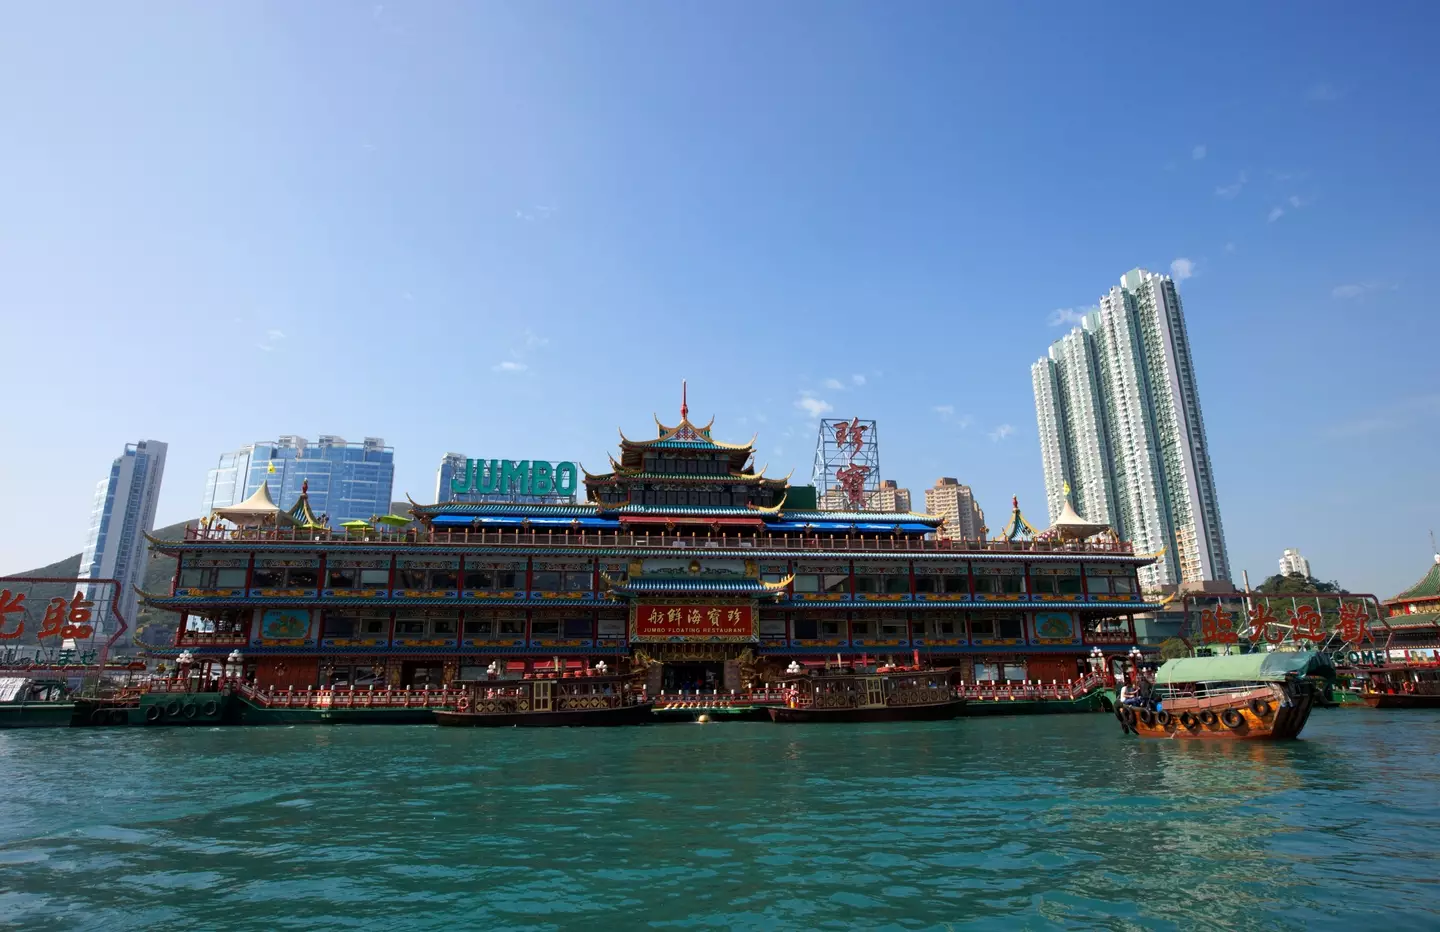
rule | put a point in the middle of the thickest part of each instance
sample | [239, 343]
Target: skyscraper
[123, 513]
[955, 503]
[347, 481]
[888, 497]
[1292, 562]
[1119, 418]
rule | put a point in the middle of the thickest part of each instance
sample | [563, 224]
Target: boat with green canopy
[1252, 696]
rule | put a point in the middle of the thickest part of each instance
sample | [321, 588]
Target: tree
[1297, 584]
[1173, 649]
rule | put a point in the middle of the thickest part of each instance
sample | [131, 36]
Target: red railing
[482, 538]
[719, 700]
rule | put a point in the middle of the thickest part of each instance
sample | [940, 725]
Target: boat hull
[36, 714]
[1401, 700]
[928, 712]
[1278, 723]
[620, 715]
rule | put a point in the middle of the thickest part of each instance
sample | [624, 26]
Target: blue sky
[508, 229]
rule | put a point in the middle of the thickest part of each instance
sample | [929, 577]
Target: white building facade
[1119, 419]
[1292, 562]
[123, 513]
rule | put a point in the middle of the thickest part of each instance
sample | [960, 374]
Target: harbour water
[1023, 823]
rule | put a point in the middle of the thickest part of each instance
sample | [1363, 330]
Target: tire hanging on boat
[1187, 719]
[172, 708]
[1260, 707]
[118, 717]
[211, 708]
[1162, 718]
[152, 714]
[1146, 717]
[1232, 719]
[1207, 718]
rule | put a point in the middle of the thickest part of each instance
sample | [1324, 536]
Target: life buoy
[1162, 718]
[1207, 718]
[1409, 686]
[1187, 719]
[118, 717]
[1260, 707]
[190, 710]
[172, 707]
[1232, 718]
[153, 713]
[1146, 717]
[463, 704]
[211, 708]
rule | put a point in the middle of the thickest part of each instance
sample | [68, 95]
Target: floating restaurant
[683, 568]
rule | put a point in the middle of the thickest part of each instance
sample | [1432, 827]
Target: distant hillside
[157, 627]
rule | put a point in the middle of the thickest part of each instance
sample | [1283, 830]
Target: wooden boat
[902, 696]
[1258, 696]
[34, 703]
[549, 701]
[1402, 686]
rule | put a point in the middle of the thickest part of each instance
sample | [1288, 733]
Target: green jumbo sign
[523, 477]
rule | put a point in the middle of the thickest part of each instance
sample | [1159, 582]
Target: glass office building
[347, 481]
[123, 513]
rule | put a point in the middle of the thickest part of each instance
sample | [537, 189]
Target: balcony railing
[522, 538]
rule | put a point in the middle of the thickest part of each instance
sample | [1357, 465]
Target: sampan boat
[541, 700]
[1261, 696]
[903, 696]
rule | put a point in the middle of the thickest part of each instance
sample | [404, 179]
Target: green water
[1020, 823]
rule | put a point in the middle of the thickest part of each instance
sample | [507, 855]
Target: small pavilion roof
[300, 512]
[1070, 526]
[258, 509]
[1018, 526]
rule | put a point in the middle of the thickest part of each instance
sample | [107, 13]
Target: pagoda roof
[1018, 526]
[1413, 620]
[301, 513]
[683, 436]
[1428, 587]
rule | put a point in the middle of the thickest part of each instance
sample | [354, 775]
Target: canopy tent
[393, 520]
[1270, 667]
[1070, 526]
[259, 510]
[356, 525]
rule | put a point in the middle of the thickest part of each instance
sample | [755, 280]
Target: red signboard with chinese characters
[656, 621]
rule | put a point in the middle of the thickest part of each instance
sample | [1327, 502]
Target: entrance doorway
[692, 677]
[418, 674]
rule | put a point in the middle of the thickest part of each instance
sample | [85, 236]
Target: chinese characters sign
[664, 622]
[1298, 622]
[63, 618]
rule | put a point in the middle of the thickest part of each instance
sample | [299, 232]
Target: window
[1010, 627]
[806, 628]
[615, 627]
[809, 582]
[894, 628]
[772, 627]
[444, 579]
[445, 626]
[548, 580]
[301, 578]
[1012, 585]
[479, 627]
[1069, 585]
[212, 577]
[545, 628]
[578, 580]
[985, 585]
[836, 582]
[407, 578]
[773, 577]
[1042, 585]
[512, 626]
[862, 629]
[380, 626]
[405, 626]
[1123, 585]
[927, 583]
[479, 579]
[959, 585]
[267, 578]
[343, 578]
[982, 627]
[340, 626]
[869, 583]
[942, 627]
[830, 629]
[577, 627]
[509, 579]
[374, 579]
[897, 583]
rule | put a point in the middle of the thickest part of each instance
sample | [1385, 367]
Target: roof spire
[684, 403]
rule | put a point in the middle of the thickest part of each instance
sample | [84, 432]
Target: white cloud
[1182, 269]
[858, 379]
[275, 334]
[945, 411]
[1001, 432]
[509, 365]
[836, 384]
[815, 407]
[1198, 153]
[1229, 247]
[1297, 202]
[1230, 191]
[1275, 214]
[1347, 292]
[532, 341]
[1063, 316]
[272, 341]
[964, 421]
[1323, 93]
